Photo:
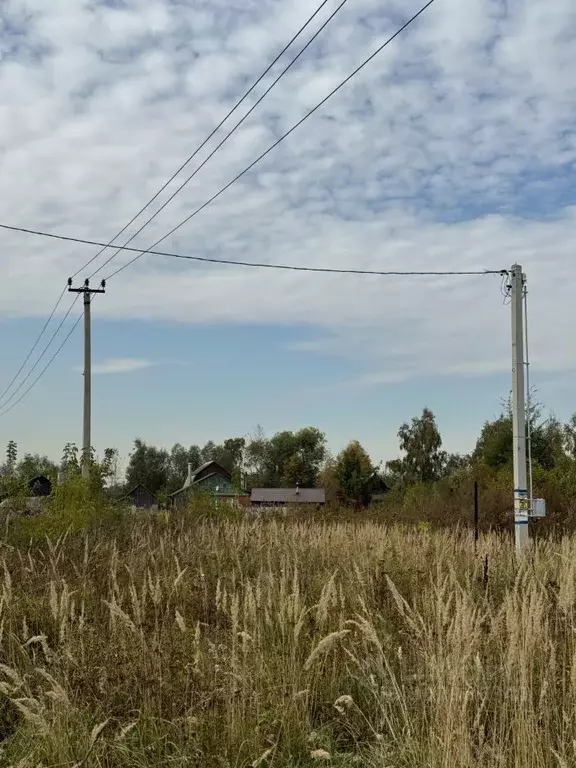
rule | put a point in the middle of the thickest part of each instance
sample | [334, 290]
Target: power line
[29, 355]
[246, 170]
[46, 348]
[176, 173]
[281, 139]
[43, 371]
[206, 140]
[226, 137]
[390, 273]
[263, 265]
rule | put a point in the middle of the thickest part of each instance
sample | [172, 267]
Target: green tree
[279, 451]
[148, 465]
[455, 462]
[229, 454]
[494, 446]
[109, 465]
[232, 454]
[180, 457]
[294, 458]
[209, 452]
[423, 460]
[327, 479]
[255, 458]
[354, 473]
[11, 457]
[70, 463]
[33, 464]
[570, 436]
[548, 440]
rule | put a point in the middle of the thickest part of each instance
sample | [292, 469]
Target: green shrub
[72, 508]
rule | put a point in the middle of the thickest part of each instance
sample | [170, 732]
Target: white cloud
[452, 150]
[120, 365]
[128, 365]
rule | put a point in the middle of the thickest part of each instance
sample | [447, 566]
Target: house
[211, 478]
[379, 489]
[40, 486]
[273, 497]
[141, 498]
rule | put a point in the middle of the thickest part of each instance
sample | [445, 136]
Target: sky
[454, 149]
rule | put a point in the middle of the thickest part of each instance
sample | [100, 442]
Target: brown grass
[190, 643]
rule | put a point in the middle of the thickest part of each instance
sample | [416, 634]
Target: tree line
[287, 459]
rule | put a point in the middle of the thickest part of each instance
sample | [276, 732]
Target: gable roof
[191, 479]
[179, 491]
[136, 487]
[207, 464]
[197, 484]
[40, 485]
[378, 484]
[288, 495]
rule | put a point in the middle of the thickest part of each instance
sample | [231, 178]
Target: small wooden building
[40, 486]
[210, 478]
[379, 488]
[141, 498]
[279, 497]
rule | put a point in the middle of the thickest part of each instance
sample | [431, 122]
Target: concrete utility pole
[521, 501]
[87, 418]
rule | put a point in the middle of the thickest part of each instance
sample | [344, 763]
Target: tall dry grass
[231, 644]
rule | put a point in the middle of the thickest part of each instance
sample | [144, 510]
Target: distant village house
[40, 486]
[277, 497]
[141, 498]
[210, 478]
[379, 488]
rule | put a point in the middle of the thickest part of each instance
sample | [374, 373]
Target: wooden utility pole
[87, 417]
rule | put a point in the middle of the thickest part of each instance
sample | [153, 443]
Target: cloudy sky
[454, 150]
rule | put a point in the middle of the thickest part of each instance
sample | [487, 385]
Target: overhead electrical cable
[224, 140]
[262, 265]
[201, 146]
[176, 173]
[29, 355]
[278, 141]
[43, 371]
[140, 253]
[46, 348]
[330, 270]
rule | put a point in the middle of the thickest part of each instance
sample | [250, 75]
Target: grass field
[182, 642]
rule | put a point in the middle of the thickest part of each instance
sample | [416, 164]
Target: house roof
[191, 479]
[207, 464]
[288, 495]
[198, 485]
[378, 484]
[39, 479]
[136, 487]
[40, 485]
[179, 491]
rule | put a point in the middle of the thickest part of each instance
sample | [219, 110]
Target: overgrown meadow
[131, 641]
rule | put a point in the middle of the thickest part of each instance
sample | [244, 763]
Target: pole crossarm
[86, 287]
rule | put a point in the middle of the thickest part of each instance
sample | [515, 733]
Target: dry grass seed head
[324, 646]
